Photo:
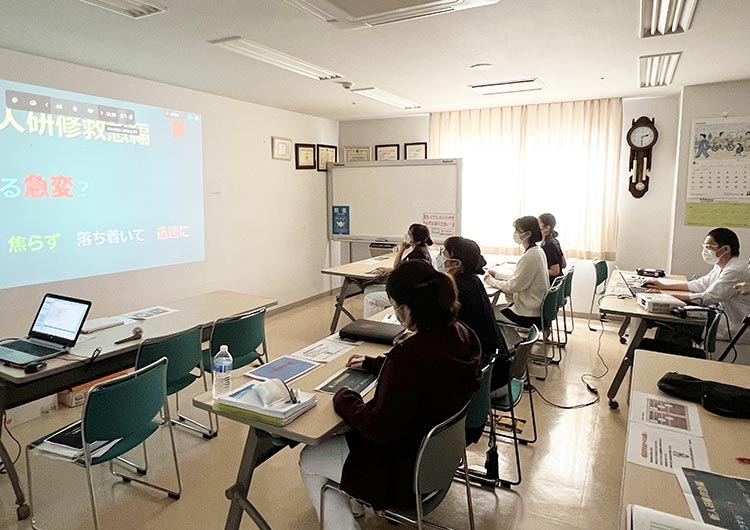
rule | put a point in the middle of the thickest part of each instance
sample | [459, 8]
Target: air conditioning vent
[359, 14]
[134, 9]
[657, 70]
[507, 87]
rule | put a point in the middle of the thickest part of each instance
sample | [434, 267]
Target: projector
[658, 303]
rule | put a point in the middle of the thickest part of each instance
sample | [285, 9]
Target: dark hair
[725, 236]
[529, 223]
[548, 219]
[431, 295]
[420, 234]
[468, 252]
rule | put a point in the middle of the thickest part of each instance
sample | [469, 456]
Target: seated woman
[375, 461]
[418, 239]
[551, 246]
[462, 259]
[529, 282]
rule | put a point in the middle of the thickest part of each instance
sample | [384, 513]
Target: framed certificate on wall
[415, 151]
[357, 154]
[387, 152]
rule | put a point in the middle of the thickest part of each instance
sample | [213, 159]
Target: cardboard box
[30, 411]
[76, 396]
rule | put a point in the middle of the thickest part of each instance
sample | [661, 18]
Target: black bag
[719, 398]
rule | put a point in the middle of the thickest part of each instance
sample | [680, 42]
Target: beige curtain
[561, 158]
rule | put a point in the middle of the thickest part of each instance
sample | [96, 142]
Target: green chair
[508, 402]
[121, 409]
[243, 334]
[476, 422]
[602, 273]
[568, 300]
[183, 350]
[441, 452]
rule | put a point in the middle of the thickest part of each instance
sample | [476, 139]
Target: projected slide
[92, 186]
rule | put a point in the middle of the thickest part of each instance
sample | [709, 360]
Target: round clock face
[642, 137]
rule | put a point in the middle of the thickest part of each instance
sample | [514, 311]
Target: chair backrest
[551, 304]
[713, 318]
[125, 405]
[479, 406]
[243, 334]
[182, 349]
[559, 282]
[521, 358]
[602, 272]
[440, 453]
[568, 282]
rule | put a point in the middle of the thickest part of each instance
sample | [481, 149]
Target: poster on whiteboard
[440, 224]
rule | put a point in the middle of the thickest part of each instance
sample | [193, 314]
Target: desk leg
[340, 299]
[22, 509]
[256, 444]
[626, 364]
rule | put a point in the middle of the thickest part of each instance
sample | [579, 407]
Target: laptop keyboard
[30, 348]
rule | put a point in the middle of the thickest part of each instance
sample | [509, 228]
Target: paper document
[665, 412]
[150, 312]
[390, 318]
[665, 450]
[715, 499]
[326, 349]
[640, 518]
[285, 368]
[376, 260]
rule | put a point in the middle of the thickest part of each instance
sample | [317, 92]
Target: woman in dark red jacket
[423, 381]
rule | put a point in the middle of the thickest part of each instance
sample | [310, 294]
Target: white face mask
[709, 256]
[439, 262]
[407, 237]
[519, 238]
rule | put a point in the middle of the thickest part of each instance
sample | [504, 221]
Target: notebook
[372, 331]
[56, 327]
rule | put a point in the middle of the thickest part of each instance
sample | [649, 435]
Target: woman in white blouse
[529, 282]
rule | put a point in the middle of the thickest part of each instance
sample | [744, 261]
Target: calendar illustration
[719, 167]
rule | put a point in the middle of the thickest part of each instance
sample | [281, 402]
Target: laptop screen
[60, 319]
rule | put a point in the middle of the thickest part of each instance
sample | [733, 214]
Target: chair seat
[430, 502]
[671, 348]
[238, 361]
[516, 392]
[120, 448]
[179, 384]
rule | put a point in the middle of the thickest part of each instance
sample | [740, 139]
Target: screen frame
[53, 338]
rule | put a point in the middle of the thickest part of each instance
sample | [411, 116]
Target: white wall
[386, 131]
[645, 224]
[265, 221]
[712, 100]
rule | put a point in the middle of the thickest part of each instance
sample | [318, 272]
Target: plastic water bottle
[222, 372]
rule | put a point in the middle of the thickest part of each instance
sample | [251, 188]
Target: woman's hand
[742, 288]
[380, 271]
[403, 246]
[355, 361]
[492, 273]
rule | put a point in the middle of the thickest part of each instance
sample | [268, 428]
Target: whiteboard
[377, 201]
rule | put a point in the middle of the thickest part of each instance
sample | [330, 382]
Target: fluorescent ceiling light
[361, 13]
[262, 53]
[507, 87]
[386, 97]
[658, 70]
[666, 17]
[134, 9]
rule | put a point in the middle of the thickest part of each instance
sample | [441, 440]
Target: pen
[743, 460]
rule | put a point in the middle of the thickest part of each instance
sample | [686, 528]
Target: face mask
[407, 237]
[709, 256]
[439, 262]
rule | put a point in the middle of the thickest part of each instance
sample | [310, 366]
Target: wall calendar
[718, 186]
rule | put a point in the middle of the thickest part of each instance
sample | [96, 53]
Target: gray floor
[571, 476]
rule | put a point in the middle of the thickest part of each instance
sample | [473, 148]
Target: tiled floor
[571, 475]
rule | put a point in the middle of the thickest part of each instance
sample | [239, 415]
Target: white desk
[627, 307]
[264, 440]
[726, 438]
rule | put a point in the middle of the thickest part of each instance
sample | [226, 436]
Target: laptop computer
[56, 328]
[634, 289]
[372, 331]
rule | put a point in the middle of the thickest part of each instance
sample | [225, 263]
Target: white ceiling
[580, 49]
